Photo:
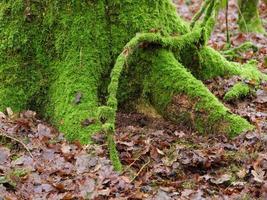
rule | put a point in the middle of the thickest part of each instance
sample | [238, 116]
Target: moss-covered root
[210, 17]
[199, 13]
[177, 95]
[195, 38]
[113, 153]
[250, 73]
[238, 91]
[213, 64]
[249, 20]
[106, 115]
[235, 52]
[211, 9]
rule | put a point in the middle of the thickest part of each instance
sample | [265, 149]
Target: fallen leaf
[161, 195]
[258, 175]
[242, 173]
[221, 180]
[86, 187]
[261, 96]
[2, 115]
[43, 131]
[9, 112]
[4, 155]
[84, 162]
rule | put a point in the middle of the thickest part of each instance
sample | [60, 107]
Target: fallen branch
[129, 166]
[138, 173]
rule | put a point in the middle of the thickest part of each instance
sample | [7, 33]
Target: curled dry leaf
[224, 179]
[258, 175]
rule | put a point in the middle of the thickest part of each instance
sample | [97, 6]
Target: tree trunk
[56, 57]
[249, 20]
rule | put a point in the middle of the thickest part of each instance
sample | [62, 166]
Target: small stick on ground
[2, 133]
[129, 166]
[227, 25]
[144, 166]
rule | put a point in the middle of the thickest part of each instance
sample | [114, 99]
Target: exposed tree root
[237, 91]
[177, 42]
[235, 52]
[201, 109]
[177, 95]
[107, 114]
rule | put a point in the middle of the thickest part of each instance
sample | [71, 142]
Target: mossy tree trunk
[68, 60]
[249, 20]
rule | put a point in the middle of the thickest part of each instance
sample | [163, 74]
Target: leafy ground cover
[162, 160]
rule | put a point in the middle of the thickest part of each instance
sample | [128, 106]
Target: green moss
[249, 20]
[250, 72]
[114, 157]
[58, 58]
[14, 176]
[199, 13]
[79, 63]
[209, 63]
[237, 91]
[212, 64]
[234, 53]
[145, 16]
[21, 57]
[190, 184]
[169, 78]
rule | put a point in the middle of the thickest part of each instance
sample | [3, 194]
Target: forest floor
[161, 160]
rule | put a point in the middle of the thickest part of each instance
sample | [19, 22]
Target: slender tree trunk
[249, 20]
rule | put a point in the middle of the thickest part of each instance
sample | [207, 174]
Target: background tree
[249, 20]
[75, 61]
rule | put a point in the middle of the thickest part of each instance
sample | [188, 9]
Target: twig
[128, 167]
[2, 133]
[227, 25]
[138, 173]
